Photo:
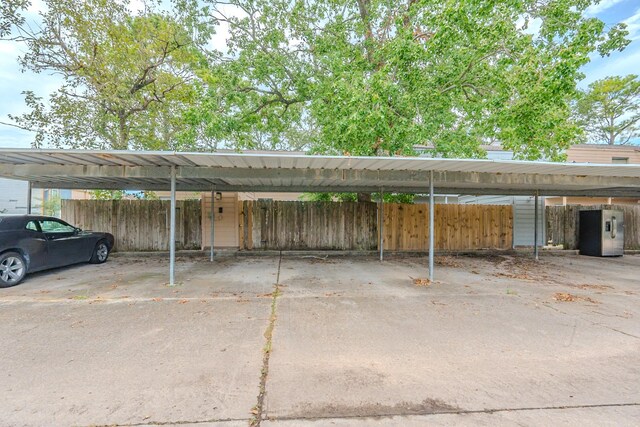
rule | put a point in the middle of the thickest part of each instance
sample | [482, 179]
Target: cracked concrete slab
[140, 352]
[597, 417]
[355, 342]
[356, 338]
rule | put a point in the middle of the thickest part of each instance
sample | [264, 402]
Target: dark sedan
[31, 243]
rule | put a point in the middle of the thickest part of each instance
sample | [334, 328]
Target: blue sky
[13, 81]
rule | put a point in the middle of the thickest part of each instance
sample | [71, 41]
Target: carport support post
[431, 227]
[172, 230]
[29, 194]
[381, 228]
[535, 226]
[213, 198]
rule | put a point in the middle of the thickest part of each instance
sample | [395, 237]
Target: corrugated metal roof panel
[278, 171]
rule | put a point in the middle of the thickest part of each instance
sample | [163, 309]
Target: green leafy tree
[376, 77]
[127, 78]
[609, 110]
[352, 197]
[11, 15]
[52, 206]
[107, 194]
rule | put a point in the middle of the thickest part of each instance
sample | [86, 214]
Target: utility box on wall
[601, 233]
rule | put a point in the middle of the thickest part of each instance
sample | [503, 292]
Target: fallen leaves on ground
[421, 282]
[447, 261]
[269, 295]
[599, 287]
[567, 297]
[522, 276]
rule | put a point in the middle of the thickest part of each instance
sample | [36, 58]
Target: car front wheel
[100, 253]
[12, 269]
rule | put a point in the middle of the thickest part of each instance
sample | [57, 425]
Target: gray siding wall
[523, 221]
[523, 215]
[13, 196]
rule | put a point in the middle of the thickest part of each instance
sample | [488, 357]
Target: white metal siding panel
[523, 215]
[13, 196]
[485, 200]
[523, 221]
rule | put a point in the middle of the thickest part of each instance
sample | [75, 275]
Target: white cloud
[633, 25]
[533, 26]
[219, 39]
[137, 6]
[619, 66]
[601, 7]
[36, 6]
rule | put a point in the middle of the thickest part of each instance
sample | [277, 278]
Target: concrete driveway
[498, 339]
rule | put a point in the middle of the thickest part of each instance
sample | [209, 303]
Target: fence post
[535, 226]
[172, 229]
[431, 227]
[381, 227]
[213, 196]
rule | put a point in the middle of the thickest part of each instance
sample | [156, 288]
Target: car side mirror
[78, 230]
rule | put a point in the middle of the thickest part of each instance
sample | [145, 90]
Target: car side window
[31, 225]
[56, 227]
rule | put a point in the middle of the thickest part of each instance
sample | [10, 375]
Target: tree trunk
[123, 133]
[364, 197]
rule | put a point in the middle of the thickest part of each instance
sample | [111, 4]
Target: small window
[31, 225]
[620, 160]
[55, 227]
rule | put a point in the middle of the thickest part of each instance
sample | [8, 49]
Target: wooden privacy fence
[563, 224]
[457, 227]
[138, 225]
[266, 224]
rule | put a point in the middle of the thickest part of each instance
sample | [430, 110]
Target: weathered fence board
[267, 224]
[563, 224]
[138, 225]
[457, 227]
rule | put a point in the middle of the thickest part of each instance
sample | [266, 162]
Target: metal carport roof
[84, 169]
[148, 170]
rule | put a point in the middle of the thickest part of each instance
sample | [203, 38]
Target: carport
[259, 172]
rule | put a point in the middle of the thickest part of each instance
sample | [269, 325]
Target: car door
[34, 244]
[64, 244]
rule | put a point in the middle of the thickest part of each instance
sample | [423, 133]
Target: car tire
[100, 253]
[13, 268]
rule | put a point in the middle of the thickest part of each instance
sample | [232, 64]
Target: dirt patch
[447, 261]
[426, 407]
[524, 268]
[567, 297]
[493, 258]
[520, 276]
[596, 287]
